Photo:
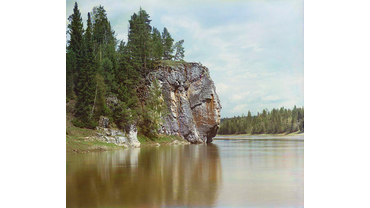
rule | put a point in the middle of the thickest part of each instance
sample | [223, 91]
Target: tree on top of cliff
[139, 39]
[167, 45]
[157, 44]
[179, 55]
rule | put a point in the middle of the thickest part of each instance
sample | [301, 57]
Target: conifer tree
[139, 40]
[127, 79]
[74, 50]
[86, 84]
[104, 44]
[167, 45]
[71, 69]
[179, 55]
[146, 41]
[157, 44]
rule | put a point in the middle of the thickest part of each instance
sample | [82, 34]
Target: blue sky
[253, 48]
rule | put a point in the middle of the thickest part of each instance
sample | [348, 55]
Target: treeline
[98, 65]
[268, 122]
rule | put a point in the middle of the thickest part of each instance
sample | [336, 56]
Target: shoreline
[83, 140]
[283, 136]
[280, 134]
[80, 144]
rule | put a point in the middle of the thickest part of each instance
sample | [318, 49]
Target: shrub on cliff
[152, 111]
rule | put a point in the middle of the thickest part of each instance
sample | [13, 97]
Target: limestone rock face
[132, 136]
[192, 102]
[119, 138]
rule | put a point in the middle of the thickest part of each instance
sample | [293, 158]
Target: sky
[253, 48]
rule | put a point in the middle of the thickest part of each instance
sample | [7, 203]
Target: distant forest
[268, 122]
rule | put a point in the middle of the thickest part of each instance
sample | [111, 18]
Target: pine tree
[157, 44]
[104, 44]
[293, 126]
[179, 55]
[146, 41]
[127, 79]
[71, 67]
[249, 122]
[139, 40]
[74, 50]
[86, 84]
[167, 45]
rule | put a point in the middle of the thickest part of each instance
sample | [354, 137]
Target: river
[233, 171]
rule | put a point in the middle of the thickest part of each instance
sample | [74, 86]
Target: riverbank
[84, 144]
[281, 134]
[80, 140]
[290, 136]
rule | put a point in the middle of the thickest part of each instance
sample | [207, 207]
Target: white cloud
[239, 108]
[271, 98]
[253, 49]
[239, 96]
[222, 88]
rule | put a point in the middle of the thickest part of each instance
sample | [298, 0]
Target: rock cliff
[192, 102]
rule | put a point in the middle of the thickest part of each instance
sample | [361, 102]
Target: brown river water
[233, 171]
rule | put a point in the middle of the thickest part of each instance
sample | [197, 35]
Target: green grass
[81, 140]
[77, 144]
[170, 63]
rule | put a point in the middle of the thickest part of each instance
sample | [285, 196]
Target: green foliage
[275, 122]
[139, 40]
[100, 107]
[87, 86]
[153, 110]
[157, 44]
[107, 71]
[179, 55]
[74, 51]
[71, 69]
[123, 115]
[96, 68]
[75, 30]
[167, 44]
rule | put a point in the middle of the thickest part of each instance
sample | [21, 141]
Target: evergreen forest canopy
[277, 121]
[99, 66]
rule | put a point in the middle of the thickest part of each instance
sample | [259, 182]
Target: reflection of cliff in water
[156, 176]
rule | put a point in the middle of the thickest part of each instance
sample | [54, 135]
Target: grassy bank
[81, 140]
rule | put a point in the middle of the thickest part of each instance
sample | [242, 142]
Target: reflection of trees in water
[161, 176]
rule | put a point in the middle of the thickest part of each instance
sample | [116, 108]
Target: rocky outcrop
[193, 107]
[192, 102]
[128, 139]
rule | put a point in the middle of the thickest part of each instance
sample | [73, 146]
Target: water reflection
[147, 177]
[228, 173]
[261, 173]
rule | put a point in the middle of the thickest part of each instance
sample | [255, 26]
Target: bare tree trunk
[96, 91]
